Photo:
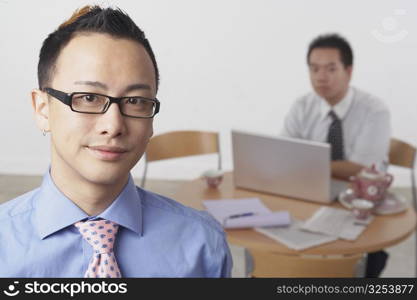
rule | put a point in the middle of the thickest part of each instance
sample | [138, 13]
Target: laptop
[284, 166]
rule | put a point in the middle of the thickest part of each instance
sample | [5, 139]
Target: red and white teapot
[371, 184]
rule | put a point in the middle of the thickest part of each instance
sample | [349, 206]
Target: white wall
[224, 64]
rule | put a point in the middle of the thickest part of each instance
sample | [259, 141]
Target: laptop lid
[280, 165]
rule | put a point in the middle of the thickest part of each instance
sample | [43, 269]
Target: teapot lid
[371, 173]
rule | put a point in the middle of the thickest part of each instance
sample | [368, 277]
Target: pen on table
[247, 214]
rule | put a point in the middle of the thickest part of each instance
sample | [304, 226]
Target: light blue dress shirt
[157, 237]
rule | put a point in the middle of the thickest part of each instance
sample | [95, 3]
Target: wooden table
[383, 232]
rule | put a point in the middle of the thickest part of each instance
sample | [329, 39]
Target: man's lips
[108, 148]
[107, 152]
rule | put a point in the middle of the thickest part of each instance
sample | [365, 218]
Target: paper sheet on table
[335, 222]
[294, 237]
[224, 208]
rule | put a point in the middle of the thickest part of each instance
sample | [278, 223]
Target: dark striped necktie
[335, 137]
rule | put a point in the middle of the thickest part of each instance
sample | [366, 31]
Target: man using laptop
[98, 80]
[355, 123]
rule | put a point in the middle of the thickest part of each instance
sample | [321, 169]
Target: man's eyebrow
[325, 65]
[137, 86]
[129, 88]
[92, 83]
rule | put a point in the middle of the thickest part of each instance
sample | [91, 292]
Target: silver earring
[43, 132]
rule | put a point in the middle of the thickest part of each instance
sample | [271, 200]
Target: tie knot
[333, 115]
[100, 234]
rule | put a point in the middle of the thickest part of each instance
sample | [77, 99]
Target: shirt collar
[340, 108]
[126, 209]
[54, 211]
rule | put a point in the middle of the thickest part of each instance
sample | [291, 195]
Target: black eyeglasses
[92, 103]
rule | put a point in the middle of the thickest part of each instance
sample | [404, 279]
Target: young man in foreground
[98, 80]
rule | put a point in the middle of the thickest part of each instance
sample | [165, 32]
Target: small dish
[392, 204]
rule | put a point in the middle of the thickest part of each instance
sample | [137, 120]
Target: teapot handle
[389, 178]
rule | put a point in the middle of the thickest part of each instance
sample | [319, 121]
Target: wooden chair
[177, 144]
[282, 265]
[403, 154]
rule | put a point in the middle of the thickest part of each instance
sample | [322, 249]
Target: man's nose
[112, 122]
[322, 76]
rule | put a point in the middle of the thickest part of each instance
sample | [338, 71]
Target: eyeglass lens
[131, 106]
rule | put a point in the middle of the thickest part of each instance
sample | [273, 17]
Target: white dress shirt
[365, 122]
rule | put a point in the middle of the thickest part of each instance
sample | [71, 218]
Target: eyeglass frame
[66, 98]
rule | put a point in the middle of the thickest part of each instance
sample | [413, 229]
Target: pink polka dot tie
[100, 234]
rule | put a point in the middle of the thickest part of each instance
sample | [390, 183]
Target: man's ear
[151, 134]
[40, 107]
[349, 70]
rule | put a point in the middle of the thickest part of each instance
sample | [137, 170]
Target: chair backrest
[177, 144]
[401, 154]
[281, 265]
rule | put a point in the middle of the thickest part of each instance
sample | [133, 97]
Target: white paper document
[294, 237]
[335, 222]
[226, 212]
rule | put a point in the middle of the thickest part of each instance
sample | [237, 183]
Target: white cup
[362, 208]
[213, 177]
